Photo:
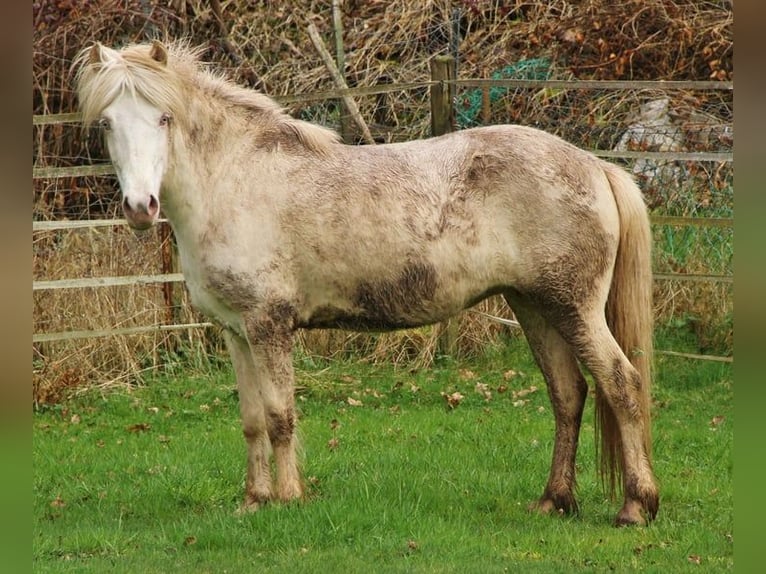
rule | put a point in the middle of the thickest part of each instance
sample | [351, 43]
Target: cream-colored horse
[280, 227]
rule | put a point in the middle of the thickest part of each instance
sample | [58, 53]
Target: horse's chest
[207, 298]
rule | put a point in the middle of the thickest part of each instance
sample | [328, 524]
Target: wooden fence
[442, 87]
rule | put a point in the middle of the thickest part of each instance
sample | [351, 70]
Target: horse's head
[137, 131]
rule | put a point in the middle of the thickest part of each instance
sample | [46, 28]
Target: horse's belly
[412, 299]
[336, 318]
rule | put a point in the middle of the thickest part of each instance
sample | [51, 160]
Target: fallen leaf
[353, 402]
[502, 389]
[75, 420]
[58, 502]
[204, 408]
[695, 559]
[453, 399]
[139, 427]
[509, 374]
[189, 540]
[717, 420]
[412, 545]
[466, 374]
[332, 444]
[334, 424]
[483, 390]
[524, 392]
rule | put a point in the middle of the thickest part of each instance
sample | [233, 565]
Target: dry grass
[265, 45]
[104, 252]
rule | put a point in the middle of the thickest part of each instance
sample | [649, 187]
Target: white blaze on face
[137, 139]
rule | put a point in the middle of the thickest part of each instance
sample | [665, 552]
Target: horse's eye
[104, 124]
[165, 120]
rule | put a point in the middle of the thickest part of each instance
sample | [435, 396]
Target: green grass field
[147, 480]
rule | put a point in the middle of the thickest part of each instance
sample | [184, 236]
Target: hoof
[554, 505]
[251, 504]
[290, 492]
[248, 508]
[632, 514]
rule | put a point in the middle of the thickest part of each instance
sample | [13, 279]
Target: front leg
[252, 410]
[270, 333]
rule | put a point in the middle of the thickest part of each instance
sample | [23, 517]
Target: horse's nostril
[154, 204]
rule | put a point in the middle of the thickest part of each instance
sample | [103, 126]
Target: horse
[280, 226]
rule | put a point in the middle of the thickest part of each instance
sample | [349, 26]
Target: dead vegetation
[265, 45]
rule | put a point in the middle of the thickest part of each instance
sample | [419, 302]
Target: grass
[147, 479]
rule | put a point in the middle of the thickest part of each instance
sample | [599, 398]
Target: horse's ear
[95, 56]
[159, 52]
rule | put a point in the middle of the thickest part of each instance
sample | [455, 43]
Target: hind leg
[621, 386]
[567, 390]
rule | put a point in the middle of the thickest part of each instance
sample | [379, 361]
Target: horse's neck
[186, 198]
[189, 215]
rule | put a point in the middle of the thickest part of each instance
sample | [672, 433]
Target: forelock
[132, 70]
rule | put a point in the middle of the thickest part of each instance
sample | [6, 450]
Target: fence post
[442, 122]
[340, 57]
[168, 265]
[442, 95]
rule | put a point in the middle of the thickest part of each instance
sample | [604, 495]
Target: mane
[168, 86]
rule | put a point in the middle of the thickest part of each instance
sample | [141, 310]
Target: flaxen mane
[170, 84]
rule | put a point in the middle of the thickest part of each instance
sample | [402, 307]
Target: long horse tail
[630, 315]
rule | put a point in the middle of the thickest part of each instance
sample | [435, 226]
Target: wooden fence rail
[360, 91]
[52, 172]
[655, 219]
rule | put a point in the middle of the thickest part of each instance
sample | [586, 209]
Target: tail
[629, 314]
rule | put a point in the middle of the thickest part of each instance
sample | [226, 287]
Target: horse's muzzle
[143, 214]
